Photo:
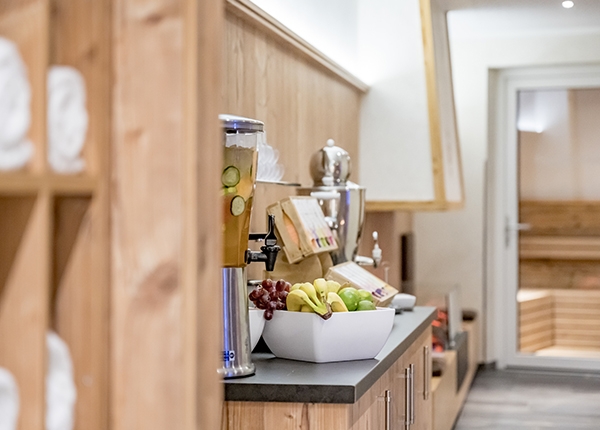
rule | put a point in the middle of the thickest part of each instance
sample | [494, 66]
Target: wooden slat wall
[561, 251]
[577, 319]
[559, 318]
[557, 274]
[536, 328]
[560, 218]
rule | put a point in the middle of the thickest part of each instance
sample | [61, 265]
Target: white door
[503, 224]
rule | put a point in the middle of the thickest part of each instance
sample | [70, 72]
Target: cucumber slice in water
[238, 204]
[230, 176]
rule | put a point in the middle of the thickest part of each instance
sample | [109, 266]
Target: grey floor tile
[531, 400]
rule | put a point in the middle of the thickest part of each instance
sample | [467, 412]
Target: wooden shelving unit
[448, 397]
[54, 266]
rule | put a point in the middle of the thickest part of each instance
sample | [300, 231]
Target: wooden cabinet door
[420, 358]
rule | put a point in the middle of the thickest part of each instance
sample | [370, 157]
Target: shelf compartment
[79, 299]
[24, 301]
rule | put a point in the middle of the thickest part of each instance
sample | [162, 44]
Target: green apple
[350, 298]
[365, 305]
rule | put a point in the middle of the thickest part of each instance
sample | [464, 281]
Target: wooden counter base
[369, 412]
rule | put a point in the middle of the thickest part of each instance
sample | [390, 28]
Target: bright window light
[568, 4]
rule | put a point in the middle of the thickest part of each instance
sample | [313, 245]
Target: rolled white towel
[9, 401]
[61, 393]
[67, 119]
[15, 108]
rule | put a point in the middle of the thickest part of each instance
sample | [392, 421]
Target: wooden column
[166, 153]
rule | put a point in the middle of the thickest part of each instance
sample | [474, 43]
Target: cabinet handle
[388, 411]
[427, 375]
[407, 398]
[412, 393]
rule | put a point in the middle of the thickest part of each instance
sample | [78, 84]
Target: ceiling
[477, 18]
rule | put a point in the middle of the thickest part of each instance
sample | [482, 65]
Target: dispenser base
[237, 372]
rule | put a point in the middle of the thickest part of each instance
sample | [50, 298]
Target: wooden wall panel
[536, 324]
[557, 274]
[556, 218]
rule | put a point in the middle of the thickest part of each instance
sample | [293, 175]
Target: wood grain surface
[146, 211]
[24, 314]
[80, 37]
[25, 287]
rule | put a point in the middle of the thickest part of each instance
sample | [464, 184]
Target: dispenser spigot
[269, 250]
[376, 252]
[375, 259]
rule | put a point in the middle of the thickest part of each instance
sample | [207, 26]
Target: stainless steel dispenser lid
[330, 166]
[236, 123]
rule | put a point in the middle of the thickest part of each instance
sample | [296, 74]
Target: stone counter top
[280, 380]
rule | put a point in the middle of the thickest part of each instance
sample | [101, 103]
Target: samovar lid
[330, 165]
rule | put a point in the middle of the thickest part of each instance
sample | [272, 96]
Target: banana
[336, 302]
[333, 286]
[295, 286]
[297, 301]
[306, 308]
[311, 292]
[320, 285]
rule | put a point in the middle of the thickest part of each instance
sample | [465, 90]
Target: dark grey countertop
[280, 380]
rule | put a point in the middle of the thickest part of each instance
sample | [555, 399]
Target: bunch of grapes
[270, 296]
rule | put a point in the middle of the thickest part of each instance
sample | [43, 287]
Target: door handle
[509, 228]
[427, 373]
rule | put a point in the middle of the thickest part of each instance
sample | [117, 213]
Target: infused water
[237, 180]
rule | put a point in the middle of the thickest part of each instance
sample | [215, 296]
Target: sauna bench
[280, 380]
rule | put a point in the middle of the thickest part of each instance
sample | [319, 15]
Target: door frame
[501, 245]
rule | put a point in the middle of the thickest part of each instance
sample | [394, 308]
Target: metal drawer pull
[407, 399]
[388, 411]
[427, 376]
[412, 393]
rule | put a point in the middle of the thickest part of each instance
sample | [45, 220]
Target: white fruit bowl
[345, 336]
[257, 325]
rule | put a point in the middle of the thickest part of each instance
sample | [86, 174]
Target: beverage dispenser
[241, 138]
[342, 202]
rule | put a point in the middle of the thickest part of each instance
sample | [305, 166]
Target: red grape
[270, 296]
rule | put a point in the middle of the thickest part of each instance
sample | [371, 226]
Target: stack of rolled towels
[67, 116]
[61, 393]
[15, 108]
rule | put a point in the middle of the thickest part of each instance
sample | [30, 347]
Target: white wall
[395, 153]
[450, 245]
[562, 162]
[329, 25]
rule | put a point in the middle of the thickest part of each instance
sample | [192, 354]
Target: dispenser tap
[269, 249]
[375, 261]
